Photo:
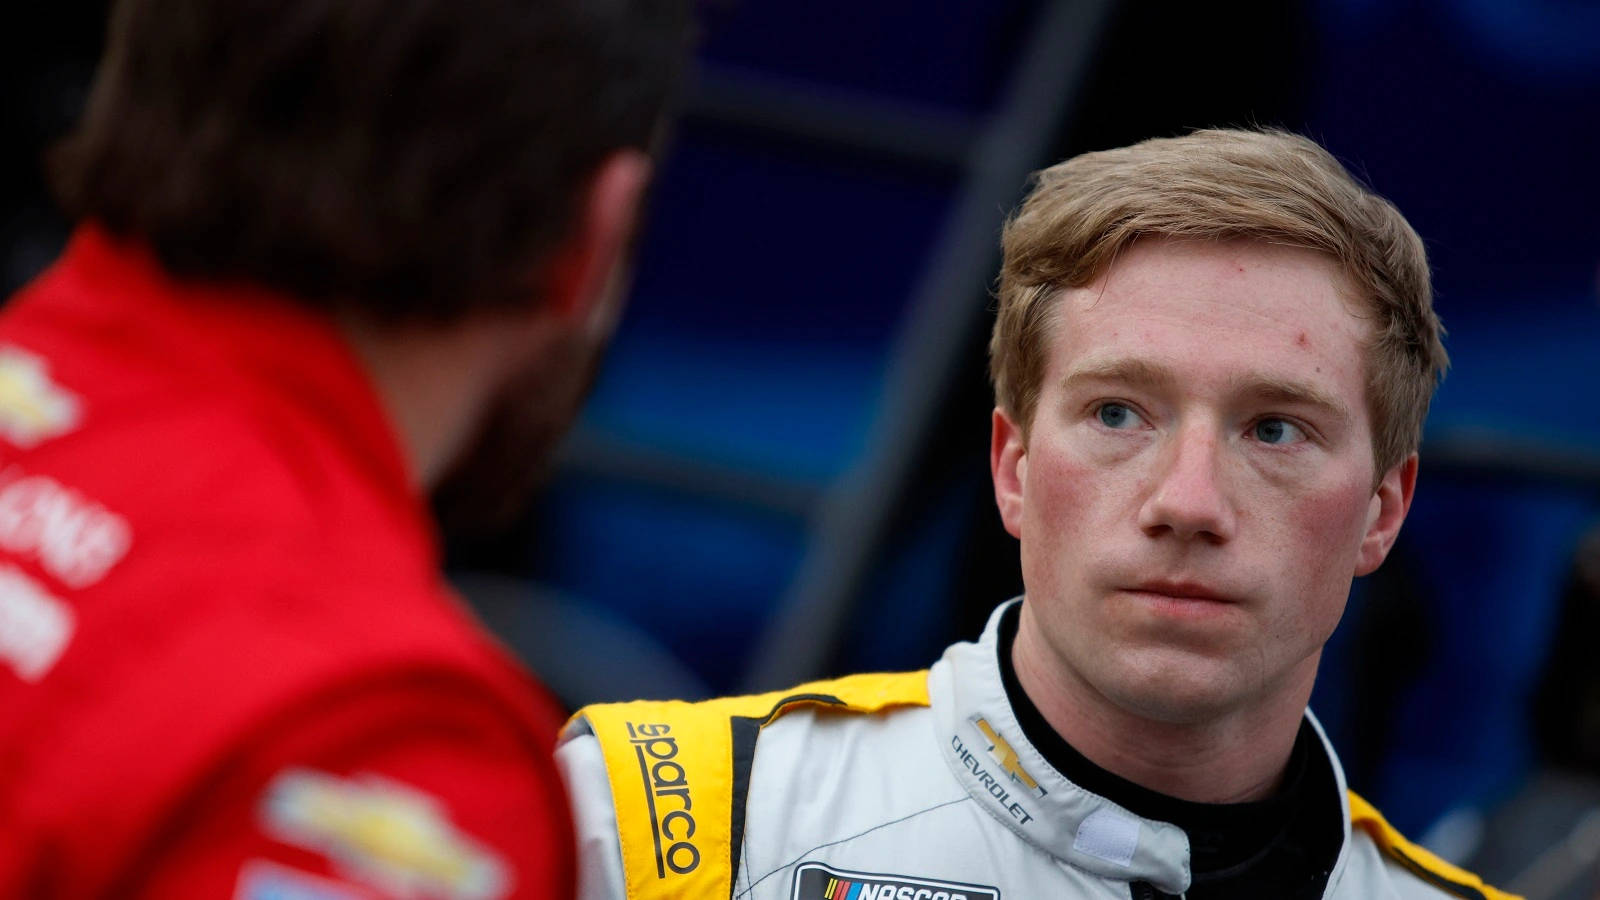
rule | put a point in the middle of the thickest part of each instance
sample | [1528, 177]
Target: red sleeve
[409, 792]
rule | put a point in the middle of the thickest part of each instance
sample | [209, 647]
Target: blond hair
[1222, 184]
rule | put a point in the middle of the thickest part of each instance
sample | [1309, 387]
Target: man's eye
[1117, 415]
[1277, 431]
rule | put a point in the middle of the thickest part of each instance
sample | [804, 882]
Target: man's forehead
[1221, 283]
[1233, 250]
[1273, 322]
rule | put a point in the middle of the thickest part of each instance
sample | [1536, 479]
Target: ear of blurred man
[584, 273]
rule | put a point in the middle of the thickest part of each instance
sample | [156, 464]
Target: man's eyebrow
[1269, 389]
[1133, 372]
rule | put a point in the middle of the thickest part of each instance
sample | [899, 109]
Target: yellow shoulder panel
[680, 772]
[1419, 861]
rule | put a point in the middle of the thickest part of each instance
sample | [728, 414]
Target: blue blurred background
[783, 473]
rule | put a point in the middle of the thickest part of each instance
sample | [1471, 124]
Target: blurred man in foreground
[330, 252]
[1212, 361]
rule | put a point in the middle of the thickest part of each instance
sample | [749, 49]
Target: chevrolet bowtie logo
[1005, 756]
[32, 407]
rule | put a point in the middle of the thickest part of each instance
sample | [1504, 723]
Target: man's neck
[1234, 758]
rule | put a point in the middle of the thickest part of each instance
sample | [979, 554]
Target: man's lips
[1181, 590]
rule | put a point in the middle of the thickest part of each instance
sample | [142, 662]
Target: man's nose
[1189, 498]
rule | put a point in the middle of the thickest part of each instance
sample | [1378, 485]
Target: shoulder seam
[1417, 860]
[864, 693]
[1459, 889]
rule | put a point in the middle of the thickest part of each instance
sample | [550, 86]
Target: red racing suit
[229, 666]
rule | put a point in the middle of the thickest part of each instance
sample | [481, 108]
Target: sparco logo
[666, 792]
[815, 881]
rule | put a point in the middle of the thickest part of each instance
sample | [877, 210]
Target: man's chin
[1176, 691]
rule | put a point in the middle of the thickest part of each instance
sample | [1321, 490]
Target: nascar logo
[814, 881]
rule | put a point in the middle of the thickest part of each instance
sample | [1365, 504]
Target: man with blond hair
[1212, 361]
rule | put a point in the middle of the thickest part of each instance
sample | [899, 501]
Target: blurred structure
[782, 472]
[47, 57]
[1545, 841]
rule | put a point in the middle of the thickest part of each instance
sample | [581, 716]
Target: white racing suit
[915, 786]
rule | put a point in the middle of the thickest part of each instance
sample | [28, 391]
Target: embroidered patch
[1002, 753]
[815, 881]
[32, 407]
[668, 797]
[74, 538]
[383, 833]
[35, 627]
[997, 782]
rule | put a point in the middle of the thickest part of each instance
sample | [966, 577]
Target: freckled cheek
[1055, 499]
[1329, 526]
[1066, 498]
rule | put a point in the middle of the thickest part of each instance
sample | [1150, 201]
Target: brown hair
[400, 160]
[1220, 185]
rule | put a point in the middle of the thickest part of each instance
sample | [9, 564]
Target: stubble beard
[490, 484]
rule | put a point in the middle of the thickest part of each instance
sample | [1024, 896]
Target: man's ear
[1008, 465]
[580, 273]
[1390, 503]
